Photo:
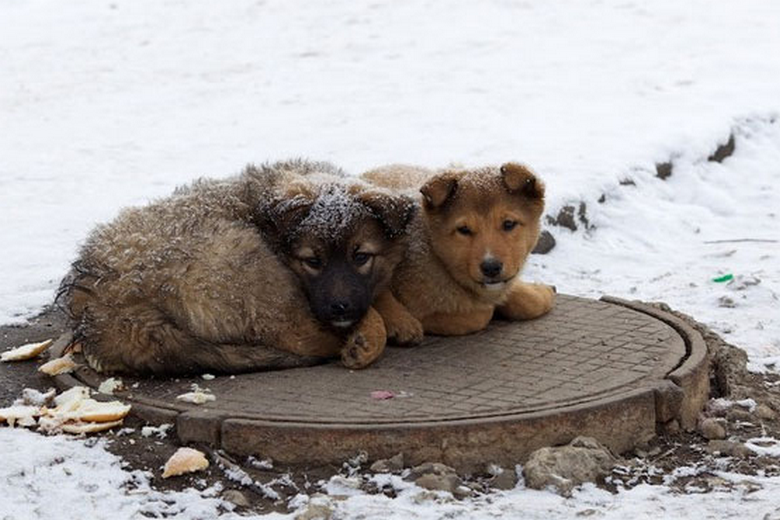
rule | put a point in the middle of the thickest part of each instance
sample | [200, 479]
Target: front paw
[366, 343]
[547, 297]
[405, 331]
[359, 352]
[528, 301]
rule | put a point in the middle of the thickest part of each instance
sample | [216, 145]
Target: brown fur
[440, 286]
[205, 280]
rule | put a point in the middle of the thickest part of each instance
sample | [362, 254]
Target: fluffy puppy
[467, 248]
[274, 268]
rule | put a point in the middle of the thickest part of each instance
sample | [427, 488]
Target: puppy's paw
[405, 331]
[358, 352]
[527, 301]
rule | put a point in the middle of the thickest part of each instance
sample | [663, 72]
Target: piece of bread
[185, 460]
[78, 428]
[25, 352]
[58, 366]
[22, 415]
[74, 407]
[198, 397]
[111, 385]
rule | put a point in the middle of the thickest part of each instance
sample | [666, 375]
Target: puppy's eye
[465, 230]
[312, 262]
[509, 225]
[361, 258]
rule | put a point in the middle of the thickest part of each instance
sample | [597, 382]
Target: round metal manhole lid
[584, 350]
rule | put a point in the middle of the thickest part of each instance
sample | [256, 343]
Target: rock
[545, 244]
[724, 150]
[565, 218]
[766, 413]
[236, 497]
[435, 476]
[505, 480]
[739, 415]
[393, 464]
[672, 427]
[433, 482]
[663, 170]
[726, 302]
[434, 468]
[712, 429]
[564, 467]
[728, 449]
[318, 508]
[462, 492]
[425, 496]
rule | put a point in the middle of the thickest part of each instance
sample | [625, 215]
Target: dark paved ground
[14, 377]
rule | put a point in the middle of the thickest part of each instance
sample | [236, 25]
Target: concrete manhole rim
[679, 396]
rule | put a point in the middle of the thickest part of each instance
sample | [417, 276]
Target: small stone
[663, 170]
[236, 497]
[739, 415]
[462, 492]
[712, 429]
[545, 244]
[672, 427]
[318, 508]
[726, 302]
[391, 465]
[424, 496]
[433, 482]
[564, 467]
[505, 480]
[728, 449]
[435, 468]
[766, 413]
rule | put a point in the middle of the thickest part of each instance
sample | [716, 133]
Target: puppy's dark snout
[339, 308]
[491, 268]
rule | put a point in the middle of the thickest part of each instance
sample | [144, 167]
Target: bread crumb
[25, 352]
[58, 366]
[185, 460]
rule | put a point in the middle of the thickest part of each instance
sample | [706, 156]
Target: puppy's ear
[277, 218]
[440, 189]
[519, 179]
[394, 212]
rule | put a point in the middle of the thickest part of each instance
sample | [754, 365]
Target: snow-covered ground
[105, 103]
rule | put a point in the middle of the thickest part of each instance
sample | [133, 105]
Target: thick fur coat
[467, 248]
[210, 278]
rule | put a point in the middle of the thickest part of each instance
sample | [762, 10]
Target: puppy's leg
[235, 359]
[457, 324]
[527, 301]
[402, 327]
[366, 343]
[144, 341]
[308, 338]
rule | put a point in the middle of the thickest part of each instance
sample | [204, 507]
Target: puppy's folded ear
[276, 218]
[438, 190]
[519, 179]
[394, 212]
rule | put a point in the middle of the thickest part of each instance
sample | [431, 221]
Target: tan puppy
[467, 248]
[275, 268]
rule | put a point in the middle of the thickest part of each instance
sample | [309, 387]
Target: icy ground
[110, 103]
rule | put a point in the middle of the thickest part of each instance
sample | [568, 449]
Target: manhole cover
[608, 369]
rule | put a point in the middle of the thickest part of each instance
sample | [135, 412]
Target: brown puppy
[274, 268]
[467, 248]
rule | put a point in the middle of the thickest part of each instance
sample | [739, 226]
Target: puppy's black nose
[491, 268]
[339, 308]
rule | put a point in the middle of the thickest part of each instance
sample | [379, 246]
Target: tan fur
[190, 284]
[437, 287]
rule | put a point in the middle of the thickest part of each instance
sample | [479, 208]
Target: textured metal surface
[583, 351]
